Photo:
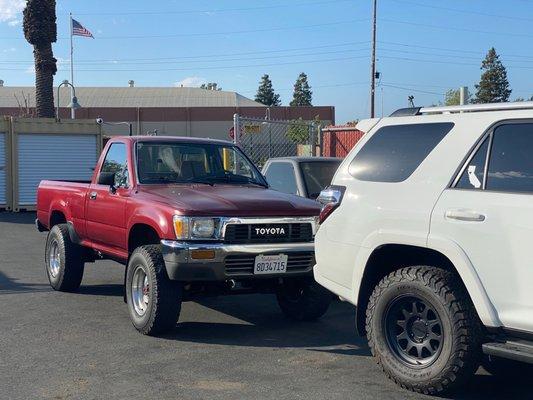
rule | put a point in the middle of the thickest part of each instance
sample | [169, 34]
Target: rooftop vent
[131, 83]
[1, 83]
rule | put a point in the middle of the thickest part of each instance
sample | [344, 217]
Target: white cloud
[191, 81]
[10, 11]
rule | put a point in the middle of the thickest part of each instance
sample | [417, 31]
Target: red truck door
[106, 204]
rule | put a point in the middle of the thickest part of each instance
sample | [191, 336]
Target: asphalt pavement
[82, 345]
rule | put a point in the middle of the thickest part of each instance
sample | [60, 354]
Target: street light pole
[373, 64]
[73, 105]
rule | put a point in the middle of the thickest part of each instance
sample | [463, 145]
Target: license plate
[270, 264]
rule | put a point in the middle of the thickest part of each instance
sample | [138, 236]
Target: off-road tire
[69, 274]
[165, 298]
[303, 300]
[460, 347]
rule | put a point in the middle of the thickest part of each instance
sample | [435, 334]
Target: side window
[394, 152]
[511, 164]
[473, 174]
[281, 177]
[116, 161]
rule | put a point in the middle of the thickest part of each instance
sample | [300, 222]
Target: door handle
[465, 215]
[93, 196]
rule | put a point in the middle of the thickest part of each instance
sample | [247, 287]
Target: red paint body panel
[104, 223]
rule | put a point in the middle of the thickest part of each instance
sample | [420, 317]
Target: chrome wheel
[140, 290]
[414, 331]
[54, 260]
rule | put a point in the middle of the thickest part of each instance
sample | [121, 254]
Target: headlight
[190, 228]
[202, 227]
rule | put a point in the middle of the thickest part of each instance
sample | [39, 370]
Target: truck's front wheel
[63, 260]
[154, 301]
[303, 300]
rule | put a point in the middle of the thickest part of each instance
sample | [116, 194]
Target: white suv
[428, 229]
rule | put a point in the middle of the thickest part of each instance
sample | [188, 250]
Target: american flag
[79, 30]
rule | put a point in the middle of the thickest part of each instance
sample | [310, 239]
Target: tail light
[330, 198]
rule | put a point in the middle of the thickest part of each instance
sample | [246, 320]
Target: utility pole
[373, 65]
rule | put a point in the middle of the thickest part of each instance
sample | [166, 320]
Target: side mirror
[107, 179]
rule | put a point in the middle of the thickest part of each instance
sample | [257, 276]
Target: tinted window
[317, 175]
[116, 161]
[511, 160]
[280, 176]
[393, 153]
[472, 177]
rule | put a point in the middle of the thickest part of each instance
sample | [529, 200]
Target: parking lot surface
[82, 345]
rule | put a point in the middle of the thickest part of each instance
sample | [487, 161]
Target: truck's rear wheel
[63, 260]
[422, 329]
[154, 301]
[303, 300]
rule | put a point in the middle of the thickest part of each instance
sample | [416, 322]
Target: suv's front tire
[422, 329]
[154, 301]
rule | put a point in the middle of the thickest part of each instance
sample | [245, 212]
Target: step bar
[514, 350]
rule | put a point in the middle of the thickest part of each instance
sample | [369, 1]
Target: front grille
[268, 233]
[243, 264]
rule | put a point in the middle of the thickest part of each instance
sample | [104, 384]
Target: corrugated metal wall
[48, 156]
[3, 170]
[338, 141]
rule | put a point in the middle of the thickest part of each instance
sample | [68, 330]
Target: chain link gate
[262, 139]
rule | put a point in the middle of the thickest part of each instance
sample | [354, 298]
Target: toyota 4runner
[427, 229]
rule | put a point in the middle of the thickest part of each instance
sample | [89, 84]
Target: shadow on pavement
[18, 218]
[261, 324]
[11, 285]
[111, 289]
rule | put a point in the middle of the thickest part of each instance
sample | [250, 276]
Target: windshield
[175, 162]
[317, 175]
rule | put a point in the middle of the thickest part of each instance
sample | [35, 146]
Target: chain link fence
[262, 139]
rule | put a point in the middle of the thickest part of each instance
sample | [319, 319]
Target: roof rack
[519, 105]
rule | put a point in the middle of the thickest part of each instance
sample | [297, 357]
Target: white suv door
[488, 212]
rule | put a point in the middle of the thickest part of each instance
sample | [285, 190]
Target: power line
[454, 28]
[210, 67]
[201, 34]
[412, 90]
[203, 56]
[463, 11]
[219, 10]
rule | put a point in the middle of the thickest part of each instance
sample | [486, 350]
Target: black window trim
[489, 133]
[127, 163]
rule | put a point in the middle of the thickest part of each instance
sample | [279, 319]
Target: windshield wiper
[239, 179]
[205, 181]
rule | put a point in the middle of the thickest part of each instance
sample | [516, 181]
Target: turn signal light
[202, 254]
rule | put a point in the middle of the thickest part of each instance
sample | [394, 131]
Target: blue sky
[424, 46]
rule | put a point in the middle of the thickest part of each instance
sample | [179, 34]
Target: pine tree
[302, 95]
[493, 86]
[265, 93]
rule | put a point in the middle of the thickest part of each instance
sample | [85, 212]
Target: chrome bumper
[182, 267]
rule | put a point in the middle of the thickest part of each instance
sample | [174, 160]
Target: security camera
[99, 121]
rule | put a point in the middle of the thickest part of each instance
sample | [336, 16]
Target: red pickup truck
[188, 217]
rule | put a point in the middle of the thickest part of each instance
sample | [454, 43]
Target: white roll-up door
[3, 169]
[55, 157]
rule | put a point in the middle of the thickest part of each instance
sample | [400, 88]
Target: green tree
[40, 30]
[494, 85]
[298, 131]
[265, 93]
[302, 95]
[210, 86]
[452, 97]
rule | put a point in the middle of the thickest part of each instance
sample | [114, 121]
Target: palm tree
[40, 30]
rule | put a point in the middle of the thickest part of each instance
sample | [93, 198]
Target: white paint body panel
[411, 212]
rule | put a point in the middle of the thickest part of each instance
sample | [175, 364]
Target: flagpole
[72, 110]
